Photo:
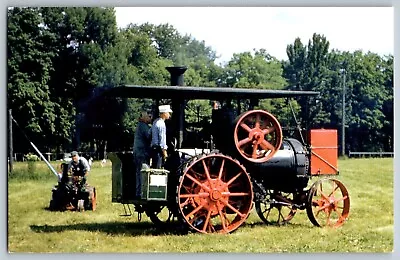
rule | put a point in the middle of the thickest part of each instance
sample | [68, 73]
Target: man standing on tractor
[141, 147]
[159, 137]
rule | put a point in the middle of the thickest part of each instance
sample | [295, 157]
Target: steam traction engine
[213, 191]
[216, 191]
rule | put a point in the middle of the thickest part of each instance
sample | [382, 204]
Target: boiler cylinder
[287, 170]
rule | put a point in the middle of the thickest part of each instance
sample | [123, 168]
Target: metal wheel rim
[328, 203]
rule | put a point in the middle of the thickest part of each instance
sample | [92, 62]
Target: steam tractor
[249, 162]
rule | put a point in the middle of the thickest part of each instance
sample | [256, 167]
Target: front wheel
[328, 203]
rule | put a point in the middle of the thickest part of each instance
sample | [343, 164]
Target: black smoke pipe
[178, 105]
[176, 75]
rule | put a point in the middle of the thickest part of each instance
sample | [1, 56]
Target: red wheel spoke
[197, 182]
[227, 221]
[267, 145]
[222, 220]
[254, 154]
[196, 174]
[323, 207]
[232, 208]
[236, 194]
[237, 184]
[245, 127]
[188, 190]
[268, 130]
[257, 121]
[316, 203]
[337, 212]
[330, 194]
[328, 219]
[206, 170]
[206, 222]
[233, 179]
[323, 195]
[186, 202]
[341, 199]
[221, 169]
[194, 211]
[198, 195]
[244, 141]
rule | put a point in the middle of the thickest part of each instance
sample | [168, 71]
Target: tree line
[59, 56]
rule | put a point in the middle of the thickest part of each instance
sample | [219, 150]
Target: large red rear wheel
[258, 135]
[215, 194]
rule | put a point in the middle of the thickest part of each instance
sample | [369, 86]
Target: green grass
[31, 228]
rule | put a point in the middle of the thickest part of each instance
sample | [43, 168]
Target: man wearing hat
[159, 137]
[79, 166]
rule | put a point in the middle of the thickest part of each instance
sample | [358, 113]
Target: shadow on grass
[262, 224]
[115, 228]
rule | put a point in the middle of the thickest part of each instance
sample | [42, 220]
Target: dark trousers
[156, 157]
[139, 159]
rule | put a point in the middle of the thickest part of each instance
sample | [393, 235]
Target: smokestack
[178, 105]
[176, 75]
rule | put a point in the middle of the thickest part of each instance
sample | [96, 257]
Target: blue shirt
[159, 133]
[141, 143]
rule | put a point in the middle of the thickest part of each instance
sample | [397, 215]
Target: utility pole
[10, 142]
[343, 71]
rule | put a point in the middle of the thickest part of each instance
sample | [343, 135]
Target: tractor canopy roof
[189, 92]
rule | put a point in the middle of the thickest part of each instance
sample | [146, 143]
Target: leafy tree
[29, 67]
[258, 70]
[254, 70]
[387, 107]
[368, 84]
[371, 88]
[306, 69]
[58, 56]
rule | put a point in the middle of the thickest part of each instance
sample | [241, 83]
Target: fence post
[10, 142]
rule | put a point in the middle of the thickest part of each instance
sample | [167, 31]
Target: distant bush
[30, 157]
[31, 170]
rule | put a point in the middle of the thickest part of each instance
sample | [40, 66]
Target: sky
[229, 30]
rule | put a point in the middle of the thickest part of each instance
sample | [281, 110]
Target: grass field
[31, 228]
